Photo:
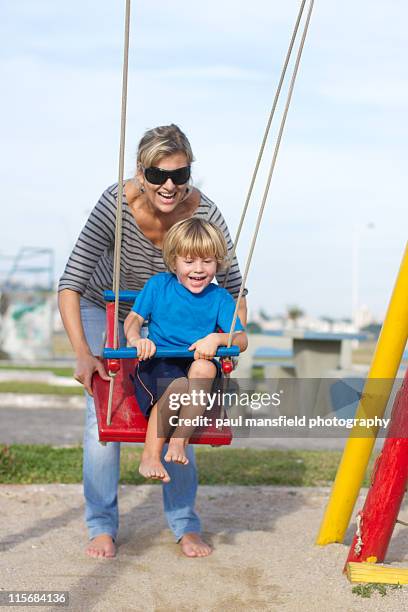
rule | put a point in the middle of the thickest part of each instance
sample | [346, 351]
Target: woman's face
[167, 196]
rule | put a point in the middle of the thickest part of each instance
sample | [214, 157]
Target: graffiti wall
[26, 321]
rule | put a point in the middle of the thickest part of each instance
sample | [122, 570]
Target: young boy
[184, 309]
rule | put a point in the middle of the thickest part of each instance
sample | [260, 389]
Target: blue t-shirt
[177, 317]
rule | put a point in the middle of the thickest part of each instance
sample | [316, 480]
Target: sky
[212, 67]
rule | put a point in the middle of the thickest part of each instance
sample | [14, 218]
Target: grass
[366, 590]
[16, 386]
[35, 464]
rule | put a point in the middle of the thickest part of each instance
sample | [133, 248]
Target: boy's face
[195, 273]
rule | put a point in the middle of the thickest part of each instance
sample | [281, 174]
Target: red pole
[376, 522]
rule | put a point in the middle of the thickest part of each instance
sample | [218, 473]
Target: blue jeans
[102, 463]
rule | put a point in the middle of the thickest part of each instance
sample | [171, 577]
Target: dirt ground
[264, 557]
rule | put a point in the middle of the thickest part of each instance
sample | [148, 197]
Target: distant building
[364, 317]
[306, 322]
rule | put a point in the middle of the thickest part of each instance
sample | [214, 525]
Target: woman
[154, 200]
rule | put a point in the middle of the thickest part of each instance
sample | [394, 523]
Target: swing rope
[264, 140]
[271, 170]
[118, 224]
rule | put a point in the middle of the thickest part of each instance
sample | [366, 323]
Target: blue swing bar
[124, 296]
[131, 353]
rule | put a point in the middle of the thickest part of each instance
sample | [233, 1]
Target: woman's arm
[96, 236]
[87, 364]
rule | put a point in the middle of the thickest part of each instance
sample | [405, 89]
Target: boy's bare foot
[176, 451]
[102, 546]
[192, 545]
[151, 467]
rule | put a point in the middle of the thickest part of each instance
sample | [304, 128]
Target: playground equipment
[357, 452]
[368, 572]
[121, 414]
[375, 523]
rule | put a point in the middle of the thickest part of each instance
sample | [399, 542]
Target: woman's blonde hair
[194, 238]
[161, 141]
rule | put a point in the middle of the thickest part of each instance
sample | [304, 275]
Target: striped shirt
[89, 269]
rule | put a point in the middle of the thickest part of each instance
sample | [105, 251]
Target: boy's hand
[145, 348]
[205, 348]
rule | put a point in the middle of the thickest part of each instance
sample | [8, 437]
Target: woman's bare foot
[193, 546]
[102, 546]
[151, 467]
[177, 451]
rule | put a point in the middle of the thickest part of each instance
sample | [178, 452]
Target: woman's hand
[145, 348]
[85, 367]
[205, 348]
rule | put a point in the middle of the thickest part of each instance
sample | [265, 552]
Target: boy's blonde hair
[194, 238]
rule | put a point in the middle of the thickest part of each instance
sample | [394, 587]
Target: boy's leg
[150, 464]
[200, 381]
[158, 430]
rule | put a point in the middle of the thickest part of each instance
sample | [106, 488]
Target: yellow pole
[357, 452]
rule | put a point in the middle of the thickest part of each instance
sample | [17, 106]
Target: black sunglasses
[157, 176]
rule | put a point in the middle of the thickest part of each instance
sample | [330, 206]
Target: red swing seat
[128, 424]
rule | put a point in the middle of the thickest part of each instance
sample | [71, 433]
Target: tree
[294, 312]
[253, 328]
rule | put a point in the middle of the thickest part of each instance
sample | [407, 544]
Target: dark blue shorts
[153, 376]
